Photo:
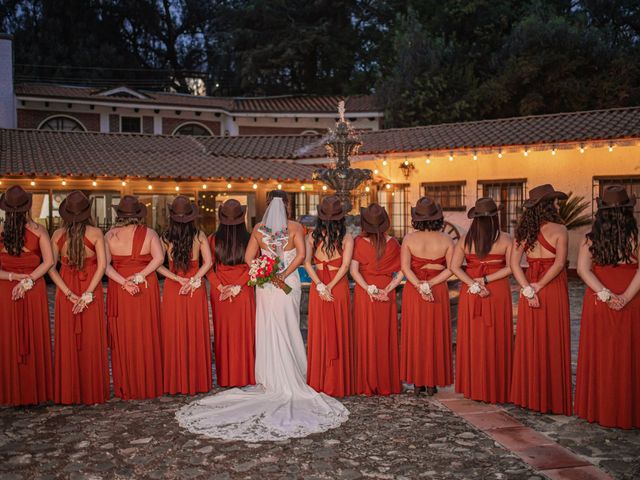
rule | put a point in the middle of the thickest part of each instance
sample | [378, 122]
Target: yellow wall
[568, 170]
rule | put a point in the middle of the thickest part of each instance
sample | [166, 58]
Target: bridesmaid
[330, 354]
[425, 348]
[376, 270]
[232, 300]
[608, 379]
[81, 362]
[485, 328]
[134, 253]
[186, 338]
[542, 358]
[25, 337]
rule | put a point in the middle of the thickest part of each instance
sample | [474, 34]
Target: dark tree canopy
[429, 61]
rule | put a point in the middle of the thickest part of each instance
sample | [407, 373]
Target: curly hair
[75, 242]
[180, 236]
[428, 225]
[482, 234]
[331, 234]
[532, 220]
[613, 236]
[15, 229]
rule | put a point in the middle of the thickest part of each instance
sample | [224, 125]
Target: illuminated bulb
[255, 186]
[33, 184]
[64, 182]
[428, 161]
[375, 172]
[406, 163]
[475, 157]
[451, 158]
[177, 188]
[393, 194]
[94, 183]
[611, 148]
[499, 154]
[228, 185]
[553, 151]
[388, 186]
[124, 184]
[279, 186]
[367, 189]
[324, 188]
[384, 163]
[581, 149]
[204, 186]
[302, 187]
[526, 153]
[149, 187]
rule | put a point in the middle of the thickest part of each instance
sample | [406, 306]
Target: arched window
[195, 129]
[60, 122]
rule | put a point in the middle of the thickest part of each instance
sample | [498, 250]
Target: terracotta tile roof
[282, 104]
[53, 153]
[261, 146]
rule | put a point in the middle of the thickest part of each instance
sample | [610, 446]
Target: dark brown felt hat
[15, 199]
[374, 219]
[485, 207]
[231, 212]
[130, 207]
[331, 208]
[615, 196]
[182, 210]
[425, 210]
[543, 192]
[76, 207]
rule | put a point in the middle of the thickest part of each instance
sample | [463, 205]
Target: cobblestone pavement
[395, 437]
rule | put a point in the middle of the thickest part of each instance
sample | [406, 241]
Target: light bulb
[428, 161]
[254, 186]
[64, 182]
[610, 148]
[324, 188]
[499, 154]
[33, 184]
[124, 184]
[451, 158]
[375, 172]
[367, 189]
[526, 152]
[228, 185]
[384, 163]
[204, 186]
[406, 163]
[279, 186]
[475, 157]
[177, 188]
[581, 149]
[94, 183]
[302, 187]
[149, 187]
[553, 151]
[388, 186]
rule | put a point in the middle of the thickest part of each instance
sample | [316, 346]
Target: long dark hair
[75, 242]
[482, 234]
[532, 219]
[180, 236]
[230, 244]
[613, 236]
[15, 229]
[331, 234]
[379, 242]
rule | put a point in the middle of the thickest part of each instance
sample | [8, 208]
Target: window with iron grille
[509, 196]
[396, 201]
[631, 183]
[450, 195]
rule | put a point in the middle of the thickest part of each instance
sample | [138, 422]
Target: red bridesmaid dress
[134, 328]
[425, 341]
[485, 335]
[329, 351]
[234, 324]
[608, 380]
[81, 363]
[542, 359]
[377, 370]
[186, 338]
[25, 335]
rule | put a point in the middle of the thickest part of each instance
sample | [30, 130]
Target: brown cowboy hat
[543, 192]
[182, 210]
[75, 208]
[231, 212]
[615, 196]
[425, 210]
[130, 207]
[374, 219]
[331, 208]
[485, 207]
[15, 199]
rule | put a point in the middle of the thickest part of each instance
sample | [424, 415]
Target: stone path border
[534, 448]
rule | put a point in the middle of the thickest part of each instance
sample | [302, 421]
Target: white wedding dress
[281, 405]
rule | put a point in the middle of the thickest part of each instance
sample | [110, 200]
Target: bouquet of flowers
[264, 269]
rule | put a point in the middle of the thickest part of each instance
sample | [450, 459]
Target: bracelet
[486, 280]
[528, 292]
[27, 283]
[475, 288]
[604, 295]
[425, 288]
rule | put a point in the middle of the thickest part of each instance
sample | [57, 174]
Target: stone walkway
[390, 438]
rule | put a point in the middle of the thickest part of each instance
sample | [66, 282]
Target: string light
[384, 163]
[255, 186]
[33, 184]
[393, 194]
[228, 185]
[64, 183]
[302, 187]
[406, 163]
[526, 152]
[581, 148]
[475, 156]
[388, 186]
[553, 151]
[149, 187]
[367, 189]
[451, 157]
[611, 147]
[428, 160]
[279, 186]
[94, 183]
[500, 154]
[204, 186]
[177, 188]
[375, 172]
[324, 188]
[124, 184]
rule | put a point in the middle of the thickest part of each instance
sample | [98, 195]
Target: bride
[281, 405]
